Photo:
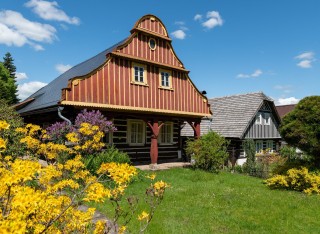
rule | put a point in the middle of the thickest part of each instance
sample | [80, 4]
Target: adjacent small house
[285, 109]
[139, 83]
[240, 117]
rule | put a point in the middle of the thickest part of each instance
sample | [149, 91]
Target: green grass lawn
[202, 202]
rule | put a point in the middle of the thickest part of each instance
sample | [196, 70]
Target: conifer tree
[12, 87]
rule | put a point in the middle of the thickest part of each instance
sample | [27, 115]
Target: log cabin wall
[142, 152]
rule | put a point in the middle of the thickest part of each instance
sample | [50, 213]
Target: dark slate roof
[285, 109]
[50, 95]
[231, 114]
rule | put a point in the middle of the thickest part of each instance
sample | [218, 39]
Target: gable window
[267, 118]
[166, 133]
[136, 132]
[165, 79]
[139, 74]
[258, 118]
[152, 43]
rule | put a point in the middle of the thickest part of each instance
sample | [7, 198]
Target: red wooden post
[196, 128]
[155, 129]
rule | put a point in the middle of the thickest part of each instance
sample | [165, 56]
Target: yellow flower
[100, 227]
[4, 125]
[151, 177]
[121, 173]
[3, 144]
[143, 216]
[122, 229]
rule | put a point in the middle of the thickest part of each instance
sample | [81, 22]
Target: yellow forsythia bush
[45, 199]
[296, 179]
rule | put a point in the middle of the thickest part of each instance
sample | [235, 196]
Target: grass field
[201, 202]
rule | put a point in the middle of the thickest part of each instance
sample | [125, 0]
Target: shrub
[36, 199]
[296, 179]
[8, 114]
[111, 154]
[86, 134]
[209, 151]
[250, 150]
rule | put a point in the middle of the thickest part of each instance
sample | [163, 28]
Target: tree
[8, 63]
[301, 127]
[11, 83]
[8, 87]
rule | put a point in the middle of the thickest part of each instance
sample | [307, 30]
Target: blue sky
[229, 46]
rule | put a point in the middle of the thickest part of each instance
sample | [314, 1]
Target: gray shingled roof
[50, 95]
[231, 114]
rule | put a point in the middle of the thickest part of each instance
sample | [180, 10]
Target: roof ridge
[245, 94]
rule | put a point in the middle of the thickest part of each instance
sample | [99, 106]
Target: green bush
[209, 151]
[250, 150]
[111, 154]
[9, 114]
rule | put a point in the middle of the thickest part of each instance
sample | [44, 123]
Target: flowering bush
[36, 199]
[87, 133]
[296, 179]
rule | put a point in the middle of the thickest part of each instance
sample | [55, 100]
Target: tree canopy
[301, 127]
[8, 86]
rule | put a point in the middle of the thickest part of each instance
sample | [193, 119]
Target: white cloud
[306, 59]
[26, 89]
[255, 74]
[17, 31]
[284, 88]
[214, 19]
[21, 76]
[179, 23]
[197, 17]
[179, 34]
[307, 55]
[61, 68]
[50, 11]
[287, 101]
[305, 64]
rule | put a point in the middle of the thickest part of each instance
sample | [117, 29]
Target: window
[267, 118]
[152, 44]
[270, 145]
[258, 118]
[139, 74]
[136, 132]
[165, 79]
[108, 138]
[259, 146]
[166, 133]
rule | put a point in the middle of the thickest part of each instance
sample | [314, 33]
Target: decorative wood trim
[117, 54]
[151, 17]
[135, 109]
[150, 33]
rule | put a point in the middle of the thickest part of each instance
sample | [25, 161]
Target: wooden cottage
[240, 117]
[139, 83]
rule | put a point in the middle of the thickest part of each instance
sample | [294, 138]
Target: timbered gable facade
[139, 83]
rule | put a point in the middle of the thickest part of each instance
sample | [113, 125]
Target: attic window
[267, 118]
[258, 118]
[152, 44]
